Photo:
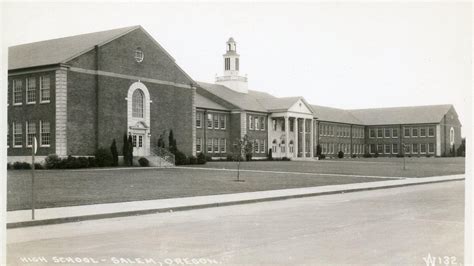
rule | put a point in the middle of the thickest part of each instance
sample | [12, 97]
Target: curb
[209, 205]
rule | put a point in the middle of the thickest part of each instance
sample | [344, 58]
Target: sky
[345, 55]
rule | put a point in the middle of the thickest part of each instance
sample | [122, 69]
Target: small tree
[247, 147]
[461, 151]
[130, 150]
[237, 151]
[319, 150]
[113, 150]
[340, 154]
[125, 150]
[172, 143]
[161, 141]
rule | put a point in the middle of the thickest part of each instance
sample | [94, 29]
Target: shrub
[230, 158]
[367, 155]
[21, 165]
[9, 166]
[180, 158]
[319, 150]
[52, 162]
[376, 154]
[270, 154]
[39, 166]
[208, 158]
[125, 150]
[192, 159]
[400, 155]
[143, 162]
[285, 159]
[103, 157]
[322, 157]
[91, 162]
[114, 152]
[340, 154]
[201, 158]
[354, 156]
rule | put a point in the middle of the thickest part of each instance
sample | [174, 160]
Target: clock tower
[231, 78]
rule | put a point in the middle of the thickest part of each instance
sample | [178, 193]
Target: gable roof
[60, 50]
[204, 102]
[402, 115]
[325, 113]
[244, 101]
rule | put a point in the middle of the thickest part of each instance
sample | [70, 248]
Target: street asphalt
[397, 226]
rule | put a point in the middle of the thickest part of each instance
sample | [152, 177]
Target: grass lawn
[57, 188]
[389, 167]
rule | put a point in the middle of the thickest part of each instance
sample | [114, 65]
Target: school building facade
[76, 94]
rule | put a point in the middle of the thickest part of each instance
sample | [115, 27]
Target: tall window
[372, 133]
[422, 148]
[137, 103]
[283, 146]
[387, 132]
[274, 124]
[415, 148]
[17, 92]
[8, 136]
[291, 146]
[292, 125]
[407, 132]
[216, 121]
[422, 132]
[223, 145]
[431, 132]
[44, 89]
[250, 122]
[209, 145]
[431, 147]
[216, 145]
[262, 123]
[31, 90]
[45, 133]
[209, 120]
[262, 146]
[256, 146]
[227, 64]
[372, 148]
[379, 148]
[274, 145]
[222, 122]
[395, 148]
[198, 120]
[17, 135]
[414, 132]
[451, 135]
[198, 145]
[237, 64]
[257, 123]
[30, 133]
[395, 133]
[379, 133]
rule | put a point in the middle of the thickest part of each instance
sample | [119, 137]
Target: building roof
[402, 115]
[325, 113]
[274, 103]
[244, 101]
[59, 50]
[203, 102]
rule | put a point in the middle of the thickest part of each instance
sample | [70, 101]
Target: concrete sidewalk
[22, 218]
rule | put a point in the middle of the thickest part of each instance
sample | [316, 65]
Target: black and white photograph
[236, 133]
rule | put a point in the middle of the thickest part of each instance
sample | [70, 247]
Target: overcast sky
[353, 55]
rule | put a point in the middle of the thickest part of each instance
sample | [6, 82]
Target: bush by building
[376, 155]
[21, 166]
[340, 154]
[201, 158]
[143, 162]
[180, 158]
[367, 155]
[103, 157]
[322, 156]
[114, 152]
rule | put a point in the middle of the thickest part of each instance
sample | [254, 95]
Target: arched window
[451, 136]
[291, 146]
[283, 146]
[137, 103]
[274, 145]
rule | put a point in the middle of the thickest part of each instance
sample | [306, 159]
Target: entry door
[138, 144]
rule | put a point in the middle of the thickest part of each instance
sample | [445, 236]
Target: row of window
[414, 148]
[408, 132]
[256, 122]
[214, 145]
[31, 131]
[214, 121]
[31, 91]
[341, 131]
[291, 146]
[333, 148]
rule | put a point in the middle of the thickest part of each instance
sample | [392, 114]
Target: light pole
[33, 152]
[404, 159]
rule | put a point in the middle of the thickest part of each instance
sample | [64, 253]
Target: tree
[462, 148]
[130, 150]
[237, 151]
[125, 150]
[247, 147]
[319, 150]
[161, 142]
[113, 150]
[172, 143]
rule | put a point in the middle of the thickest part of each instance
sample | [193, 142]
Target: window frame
[431, 128]
[223, 145]
[215, 121]
[380, 130]
[413, 135]
[31, 89]
[198, 119]
[198, 145]
[42, 89]
[222, 121]
[395, 136]
[15, 92]
[15, 133]
[42, 123]
[209, 121]
[405, 131]
[421, 134]
[136, 111]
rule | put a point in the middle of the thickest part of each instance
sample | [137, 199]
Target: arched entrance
[138, 118]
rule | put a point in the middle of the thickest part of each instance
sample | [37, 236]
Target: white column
[296, 136]
[287, 132]
[304, 139]
[312, 139]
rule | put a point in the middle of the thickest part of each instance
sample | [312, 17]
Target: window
[451, 135]
[407, 132]
[292, 126]
[423, 148]
[387, 149]
[395, 148]
[262, 146]
[324, 148]
[134, 140]
[256, 146]
[372, 148]
[17, 135]
[257, 123]
[283, 125]
[17, 92]
[45, 133]
[250, 122]
[137, 103]
[387, 132]
[414, 132]
[139, 55]
[223, 145]
[431, 147]
[198, 145]
[415, 147]
[216, 145]
[227, 64]
[422, 132]
[31, 90]
[223, 121]
[379, 133]
[292, 146]
[372, 133]
[395, 133]
[209, 145]
[379, 148]
[237, 64]
[274, 145]
[274, 124]
[283, 146]
[198, 120]
[209, 120]
[140, 141]
[30, 133]
[44, 89]
[216, 121]
[431, 132]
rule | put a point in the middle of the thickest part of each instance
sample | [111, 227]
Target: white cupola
[231, 78]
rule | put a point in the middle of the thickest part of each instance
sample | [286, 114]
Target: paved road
[393, 226]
